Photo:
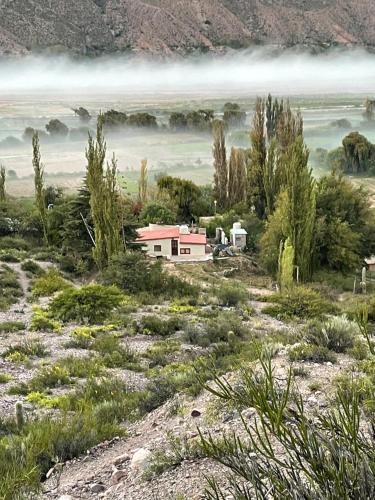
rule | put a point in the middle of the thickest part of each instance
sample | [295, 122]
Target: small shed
[370, 263]
[238, 236]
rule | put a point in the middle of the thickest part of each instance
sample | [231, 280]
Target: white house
[175, 243]
[238, 236]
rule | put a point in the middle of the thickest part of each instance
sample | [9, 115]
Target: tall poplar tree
[236, 177]
[220, 165]
[2, 183]
[143, 183]
[102, 186]
[39, 186]
[286, 266]
[256, 195]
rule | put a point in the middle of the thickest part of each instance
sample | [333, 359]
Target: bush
[312, 353]
[7, 257]
[88, 304]
[12, 326]
[302, 303]
[134, 273]
[231, 295]
[337, 333]
[42, 322]
[28, 349]
[11, 242]
[114, 355]
[10, 287]
[49, 283]
[31, 267]
[153, 325]
[334, 449]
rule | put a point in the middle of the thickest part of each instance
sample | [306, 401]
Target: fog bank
[255, 72]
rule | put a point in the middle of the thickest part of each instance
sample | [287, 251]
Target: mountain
[166, 26]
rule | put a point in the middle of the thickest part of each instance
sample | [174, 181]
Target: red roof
[170, 233]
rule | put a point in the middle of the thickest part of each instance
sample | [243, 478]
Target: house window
[157, 248]
[185, 251]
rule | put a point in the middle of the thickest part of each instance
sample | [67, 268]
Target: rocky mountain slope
[168, 26]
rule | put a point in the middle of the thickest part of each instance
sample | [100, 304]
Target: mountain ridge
[94, 27]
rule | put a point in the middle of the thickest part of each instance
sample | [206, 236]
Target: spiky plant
[288, 453]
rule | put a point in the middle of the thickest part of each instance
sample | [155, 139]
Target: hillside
[168, 26]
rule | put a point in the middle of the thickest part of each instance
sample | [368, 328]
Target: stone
[196, 413]
[141, 459]
[121, 459]
[117, 476]
[97, 487]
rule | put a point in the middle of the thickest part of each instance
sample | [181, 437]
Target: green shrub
[231, 295]
[32, 268]
[85, 367]
[134, 273]
[12, 242]
[42, 322]
[88, 304]
[8, 257]
[12, 326]
[159, 354]
[5, 378]
[360, 350]
[113, 354]
[49, 283]
[154, 325]
[302, 303]
[336, 333]
[10, 287]
[47, 377]
[32, 348]
[311, 353]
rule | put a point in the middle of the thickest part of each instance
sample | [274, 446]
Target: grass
[10, 287]
[33, 348]
[12, 326]
[312, 354]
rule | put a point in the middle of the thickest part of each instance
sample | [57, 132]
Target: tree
[233, 115]
[295, 214]
[274, 109]
[359, 154]
[286, 269]
[103, 199]
[345, 228]
[236, 177]
[369, 112]
[177, 121]
[56, 128]
[220, 165]
[183, 193]
[257, 159]
[83, 114]
[2, 183]
[157, 213]
[143, 183]
[39, 186]
[289, 127]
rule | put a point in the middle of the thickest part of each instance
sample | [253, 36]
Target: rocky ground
[118, 469]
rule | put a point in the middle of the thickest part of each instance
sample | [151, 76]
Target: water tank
[184, 230]
[237, 225]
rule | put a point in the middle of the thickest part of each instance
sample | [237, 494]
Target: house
[238, 236]
[174, 243]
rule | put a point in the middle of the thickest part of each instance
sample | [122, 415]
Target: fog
[34, 90]
[250, 72]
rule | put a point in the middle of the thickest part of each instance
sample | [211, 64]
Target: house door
[174, 247]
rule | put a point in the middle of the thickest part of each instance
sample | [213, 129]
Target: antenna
[88, 229]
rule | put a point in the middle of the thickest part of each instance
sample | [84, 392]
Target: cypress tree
[39, 185]
[220, 165]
